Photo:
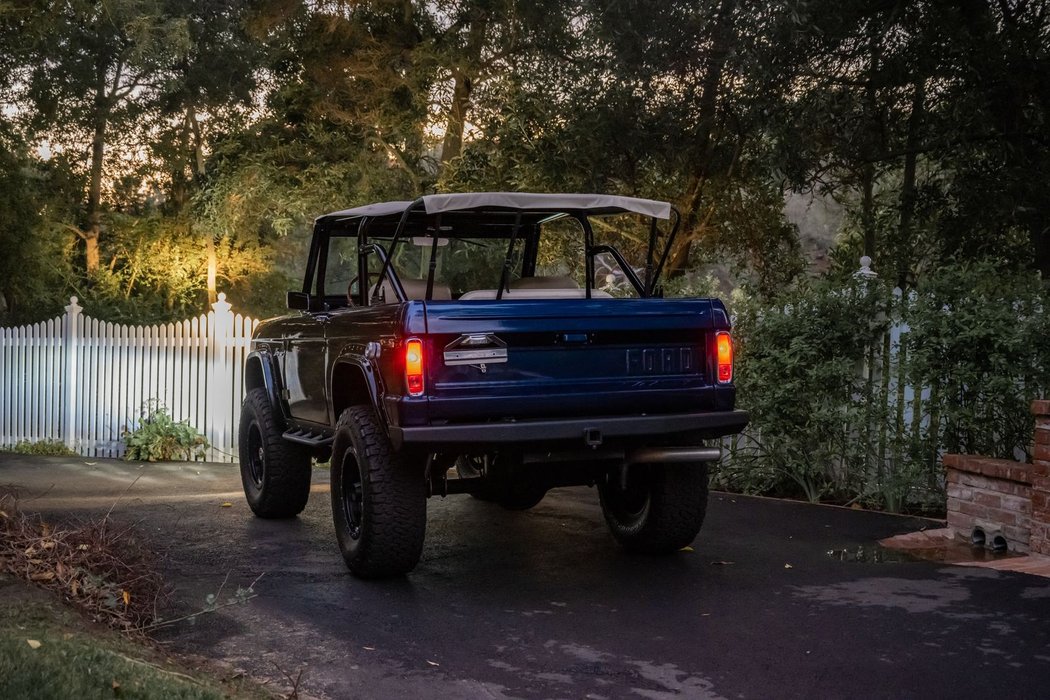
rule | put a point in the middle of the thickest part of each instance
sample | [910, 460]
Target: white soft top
[595, 204]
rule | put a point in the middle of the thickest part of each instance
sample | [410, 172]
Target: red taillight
[724, 344]
[414, 366]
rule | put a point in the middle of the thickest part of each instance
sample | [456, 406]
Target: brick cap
[1041, 408]
[1005, 469]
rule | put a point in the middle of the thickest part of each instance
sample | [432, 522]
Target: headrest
[541, 282]
[414, 289]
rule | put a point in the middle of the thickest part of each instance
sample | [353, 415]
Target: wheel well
[349, 388]
[253, 374]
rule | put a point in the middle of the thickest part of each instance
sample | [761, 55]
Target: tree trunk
[199, 167]
[908, 194]
[452, 146]
[867, 208]
[213, 268]
[198, 146]
[870, 149]
[94, 203]
[180, 186]
[463, 76]
[722, 41]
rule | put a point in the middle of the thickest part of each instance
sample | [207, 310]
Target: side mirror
[298, 301]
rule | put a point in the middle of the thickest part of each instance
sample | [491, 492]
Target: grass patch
[69, 657]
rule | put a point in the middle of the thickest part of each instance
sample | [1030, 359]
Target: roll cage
[513, 217]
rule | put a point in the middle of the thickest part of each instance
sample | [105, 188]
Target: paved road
[543, 604]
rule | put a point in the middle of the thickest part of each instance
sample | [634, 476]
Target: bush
[799, 374]
[844, 410]
[51, 448]
[160, 438]
[979, 340]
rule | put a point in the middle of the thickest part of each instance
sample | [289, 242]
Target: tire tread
[286, 483]
[395, 507]
[677, 506]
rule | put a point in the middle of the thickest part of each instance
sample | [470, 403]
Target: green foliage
[831, 415]
[979, 340]
[798, 374]
[235, 124]
[33, 255]
[50, 448]
[76, 659]
[159, 438]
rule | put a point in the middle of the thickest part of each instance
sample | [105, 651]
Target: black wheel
[659, 510]
[379, 500]
[275, 473]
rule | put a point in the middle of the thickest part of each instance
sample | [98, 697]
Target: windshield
[460, 264]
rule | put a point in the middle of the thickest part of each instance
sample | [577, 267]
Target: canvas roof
[593, 204]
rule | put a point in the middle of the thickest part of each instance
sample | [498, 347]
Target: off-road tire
[661, 511]
[379, 500]
[275, 473]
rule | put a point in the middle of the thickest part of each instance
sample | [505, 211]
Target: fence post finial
[222, 306]
[865, 272]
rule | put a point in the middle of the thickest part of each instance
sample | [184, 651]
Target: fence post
[70, 379]
[221, 378]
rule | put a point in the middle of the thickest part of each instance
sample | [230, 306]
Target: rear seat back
[542, 282]
[414, 289]
[536, 294]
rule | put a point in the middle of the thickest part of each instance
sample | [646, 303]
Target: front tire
[659, 510]
[379, 502]
[274, 472]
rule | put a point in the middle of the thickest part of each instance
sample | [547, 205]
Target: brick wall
[994, 495]
[1040, 525]
[1005, 496]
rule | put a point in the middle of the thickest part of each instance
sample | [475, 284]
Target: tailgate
[498, 360]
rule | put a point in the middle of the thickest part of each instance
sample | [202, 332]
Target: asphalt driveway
[544, 604]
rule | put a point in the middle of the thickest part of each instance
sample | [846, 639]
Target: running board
[306, 437]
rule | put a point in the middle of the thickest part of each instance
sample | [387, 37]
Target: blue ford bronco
[444, 346]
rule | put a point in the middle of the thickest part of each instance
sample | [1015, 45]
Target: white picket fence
[82, 381]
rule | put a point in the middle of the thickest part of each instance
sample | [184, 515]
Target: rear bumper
[585, 431]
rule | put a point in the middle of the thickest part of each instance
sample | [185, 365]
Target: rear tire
[274, 472]
[379, 501]
[661, 510]
[521, 495]
[471, 467]
[507, 485]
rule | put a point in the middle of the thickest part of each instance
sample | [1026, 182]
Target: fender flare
[267, 377]
[372, 382]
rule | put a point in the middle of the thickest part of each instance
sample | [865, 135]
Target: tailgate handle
[574, 338]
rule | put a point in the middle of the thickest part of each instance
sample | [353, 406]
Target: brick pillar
[1041, 479]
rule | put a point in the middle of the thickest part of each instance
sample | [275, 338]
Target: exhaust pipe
[650, 455]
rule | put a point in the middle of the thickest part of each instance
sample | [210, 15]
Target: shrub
[799, 374]
[979, 340]
[160, 438]
[52, 448]
[828, 387]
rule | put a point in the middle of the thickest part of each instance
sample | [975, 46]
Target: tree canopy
[153, 151]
